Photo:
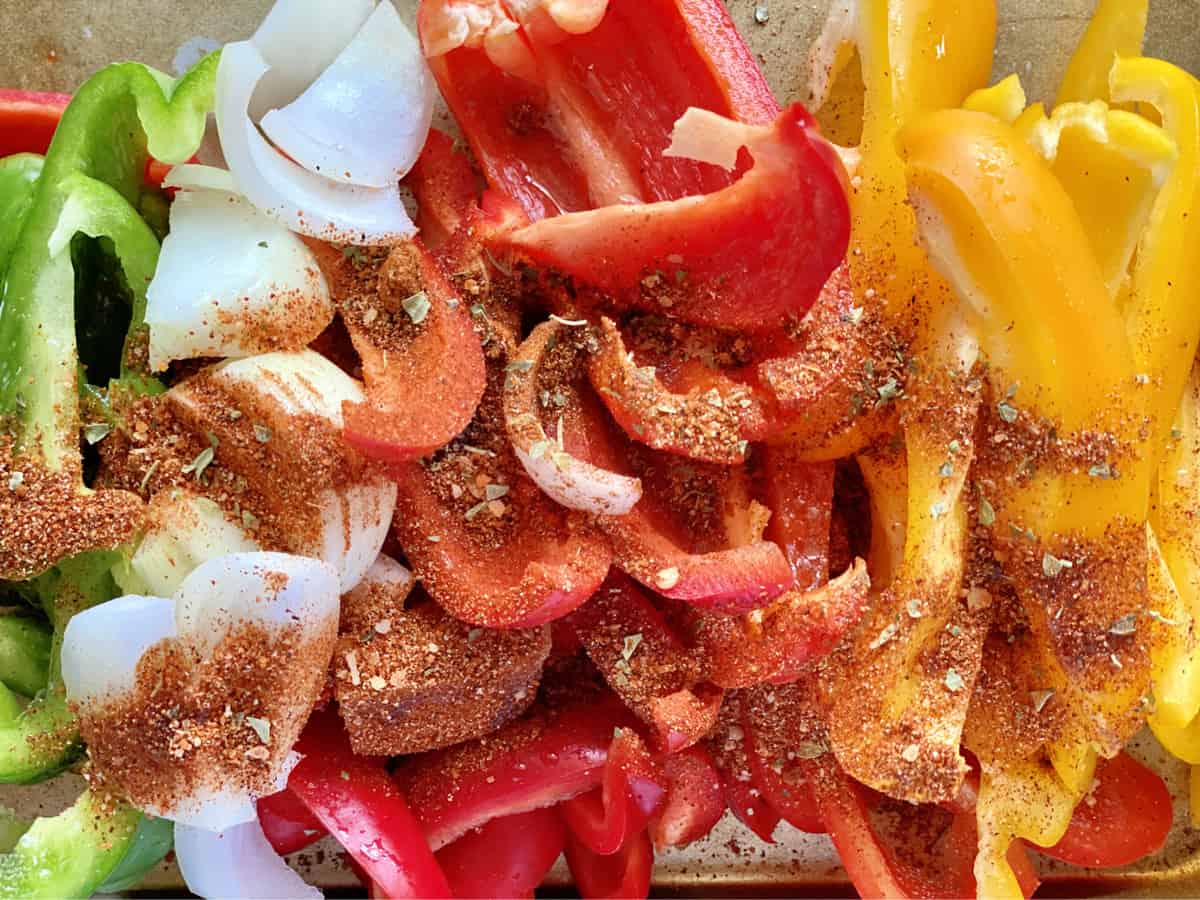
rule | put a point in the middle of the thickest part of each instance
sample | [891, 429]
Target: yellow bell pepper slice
[1024, 800]
[1117, 28]
[1112, 163]
[1005, 99]
[885, 474]
[1163, 315]
[915, 657]
[915, 55]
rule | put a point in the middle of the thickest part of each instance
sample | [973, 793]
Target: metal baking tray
[55, 44]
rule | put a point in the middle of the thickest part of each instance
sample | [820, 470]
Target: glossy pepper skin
[572, 120]
[28, 120]
[725, 258]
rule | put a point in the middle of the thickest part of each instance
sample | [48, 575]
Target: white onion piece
[231, 281]
[386, 572]
[305, 202]
[706, 136]
[353, 519]
[364, 120]
[185, 530]
[565, 479]
[237, 863]
[299, 39]
[276, 591]
[192, 177]
[102, 645]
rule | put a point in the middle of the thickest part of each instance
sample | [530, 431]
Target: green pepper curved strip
[70, 854]
[153, 840]
[24, 654]
[18, 176]
[90, 182]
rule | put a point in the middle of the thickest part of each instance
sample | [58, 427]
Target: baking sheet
[56, 44]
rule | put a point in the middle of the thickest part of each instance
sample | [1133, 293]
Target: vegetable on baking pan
[595, 98]
[248, 632]
[348, 102]
[28, 120]
[230, 282]
[506, 858]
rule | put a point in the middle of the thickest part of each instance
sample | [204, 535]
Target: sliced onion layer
[230, 281]
[236, 863]
[331, 506]
[566, 479]
[303, 201]
[363, 121]
[102, 646]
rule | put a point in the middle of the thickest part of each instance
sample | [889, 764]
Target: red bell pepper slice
[666, 403]
[620, 875]
[357, 800]
[631, 791]
[1127, 815]
[530, 764]
[724, 259]
[568, 121]
[445, 187]
[424, 374]
[288, 823]
[727, 745]
[695, 535]
[775, 745]
[545, 562]
[646, 664]
[506, 858]
[695, 801]
[28, 120]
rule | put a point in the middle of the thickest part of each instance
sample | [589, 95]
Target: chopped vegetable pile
[658, 452]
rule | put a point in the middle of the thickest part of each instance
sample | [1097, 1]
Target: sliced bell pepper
[421, 360]
[574, 115]
[618, 876]
[646, 663]
[506, 858]
[28, 120]
[24, 654]
[695, 801]
[89, 184]
[288, 823]
[445, 187]
[630, 793]
[1002, 228]
[696, 533]
[728, 747]
[1117, 28]
[529, 764]
[357, 800]
[1126, 816]
[723, 259]
[71, 854]
[779, 735]
[913, 662]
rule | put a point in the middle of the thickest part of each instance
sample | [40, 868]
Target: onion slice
[364, 120]
[303, 201]
[566, 479]
[236, 863]
[299, 39]
[230, 281]
[102, 646]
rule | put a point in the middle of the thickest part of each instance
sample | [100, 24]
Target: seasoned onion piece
[236, 863]
[230, 281]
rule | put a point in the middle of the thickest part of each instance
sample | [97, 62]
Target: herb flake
[1053, 565]
[417, 307]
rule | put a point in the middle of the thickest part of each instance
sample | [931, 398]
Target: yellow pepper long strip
[1163, 315]
[1117, 28]
[1005, 99]
[1112, 163]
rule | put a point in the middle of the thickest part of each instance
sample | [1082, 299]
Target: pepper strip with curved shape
[912, 665]
[722, 259]
[1117, 28]
[1006, 234]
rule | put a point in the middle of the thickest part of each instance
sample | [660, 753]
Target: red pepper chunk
[288, 823]
[605, 819]
[694, 802]
[749, 256]
[506, 858]
[28, 120]
[444, 186]
[621, 875]
[530, 764]
[357, 800]
[564, 117]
